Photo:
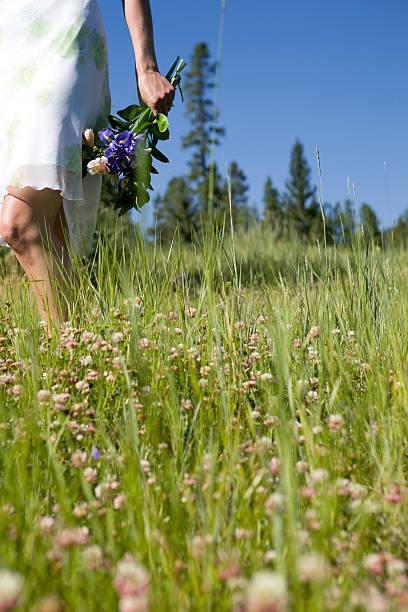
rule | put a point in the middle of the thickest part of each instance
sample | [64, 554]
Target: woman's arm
[154, 89]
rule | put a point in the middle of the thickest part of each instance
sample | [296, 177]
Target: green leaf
[145, 117]
[160, 135]
[141, 127]
[141, 175]
[130, 112]
[126, 200]
[172, 69]
[159, 155]
[116, 123]
[181, 92]
[142, 196]
[162, 122]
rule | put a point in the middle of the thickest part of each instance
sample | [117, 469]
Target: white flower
[267, 592]
[132, 579]
[312, 567]
[117, 337]
[98, 165]
[10, 589]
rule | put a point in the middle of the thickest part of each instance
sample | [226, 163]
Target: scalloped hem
[80, 212]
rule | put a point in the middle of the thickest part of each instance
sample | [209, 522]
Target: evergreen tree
[299, 191]
[175, 209]
[321, 228]
[344, 221]
[315, 221]
[248, 218]
[236, 188]
[369, 221]
[201, 191]
[272, 217]
[198, 82]
[399, 233]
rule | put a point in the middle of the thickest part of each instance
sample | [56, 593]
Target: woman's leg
[62, 233]
[61, 227]
[27, 224]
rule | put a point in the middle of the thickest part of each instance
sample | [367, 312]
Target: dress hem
[39, 188]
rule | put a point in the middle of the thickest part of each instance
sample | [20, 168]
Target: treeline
[294, 212]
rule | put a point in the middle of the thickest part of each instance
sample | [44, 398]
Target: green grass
[190, 370]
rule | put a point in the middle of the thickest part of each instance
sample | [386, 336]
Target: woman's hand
[156, 91]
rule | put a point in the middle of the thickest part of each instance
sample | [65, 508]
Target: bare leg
[61, 227]
[27, 224]
[62, 233]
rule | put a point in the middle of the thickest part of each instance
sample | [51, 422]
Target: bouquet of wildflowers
[127, 148]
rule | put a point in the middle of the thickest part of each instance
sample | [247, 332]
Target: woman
[54, 76]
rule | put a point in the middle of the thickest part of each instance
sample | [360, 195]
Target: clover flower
[11, 585]
[313, 567]
[267, 592]
[69, 537]
[132, 579]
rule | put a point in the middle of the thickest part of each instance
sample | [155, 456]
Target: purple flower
[121, 149]
[95, 453]
[106, 135]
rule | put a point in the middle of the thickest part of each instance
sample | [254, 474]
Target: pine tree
[299, 191]
[369, 221]
[272, 217]
[399, 233]
[344, 221]
[175, 210]
[197, 83]
[235, 187]
[201, 191]
[315, 220]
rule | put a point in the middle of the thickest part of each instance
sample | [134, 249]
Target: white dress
[54, 84]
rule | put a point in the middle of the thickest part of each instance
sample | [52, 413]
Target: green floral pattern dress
[55, 84]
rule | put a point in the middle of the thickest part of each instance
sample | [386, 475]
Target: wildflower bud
[314, 332]
[45, 524]
[274, 465]
[118, 501]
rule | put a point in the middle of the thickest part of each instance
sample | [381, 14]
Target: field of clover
[221, 427]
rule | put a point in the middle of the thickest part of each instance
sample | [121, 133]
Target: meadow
[221, 427]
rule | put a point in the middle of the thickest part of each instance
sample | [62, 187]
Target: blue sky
[331, 74]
